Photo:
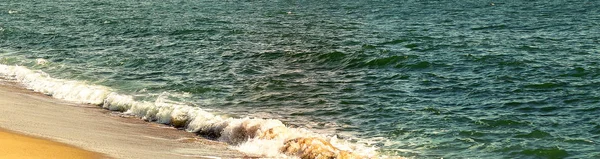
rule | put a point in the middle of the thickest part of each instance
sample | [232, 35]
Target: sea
[411, 78]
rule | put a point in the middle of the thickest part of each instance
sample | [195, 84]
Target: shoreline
[92, 128]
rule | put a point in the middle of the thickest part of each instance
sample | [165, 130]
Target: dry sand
[16, 146]
[95, 129]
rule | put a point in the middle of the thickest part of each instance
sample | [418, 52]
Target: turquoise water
[429, 79]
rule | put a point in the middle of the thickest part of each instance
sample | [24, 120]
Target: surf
[256, 136]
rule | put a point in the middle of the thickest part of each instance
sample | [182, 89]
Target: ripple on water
[534, 134]
[471, 133]
[596, 130]
[549, 153]
[502, 123]
[545, 85]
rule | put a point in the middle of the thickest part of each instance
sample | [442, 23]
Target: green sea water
[423, 79]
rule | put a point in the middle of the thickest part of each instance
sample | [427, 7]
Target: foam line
[263, 137]
[62, 89]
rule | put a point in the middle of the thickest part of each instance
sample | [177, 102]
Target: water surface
[430, 79]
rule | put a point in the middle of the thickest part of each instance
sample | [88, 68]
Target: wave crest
[263, 137]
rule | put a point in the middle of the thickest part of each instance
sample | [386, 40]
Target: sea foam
[260, 137]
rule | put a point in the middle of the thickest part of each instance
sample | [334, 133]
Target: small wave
[554, 152]
[534, 134]
[385, 61]
[577, 72]
[405, 61]
[491, 27]
[264, 137]
[394, 42]
[39, 81]
[331, 57]
[501, 123]
[471, 133]
[547, 85]
[192, 31]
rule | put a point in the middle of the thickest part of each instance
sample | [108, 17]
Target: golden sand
[17, 146]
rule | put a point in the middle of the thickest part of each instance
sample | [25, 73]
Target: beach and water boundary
[255, 137]
[98, 130]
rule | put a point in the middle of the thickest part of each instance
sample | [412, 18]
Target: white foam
[39, 81]
[41, 61]
[262, 137]
[262, 147]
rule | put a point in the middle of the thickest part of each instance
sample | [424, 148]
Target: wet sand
[94, 129]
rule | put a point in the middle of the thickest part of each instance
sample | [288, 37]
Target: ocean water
[422, 79]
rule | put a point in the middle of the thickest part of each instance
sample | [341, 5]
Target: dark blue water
[430, 79]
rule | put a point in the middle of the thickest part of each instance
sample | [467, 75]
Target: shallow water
[430, 79]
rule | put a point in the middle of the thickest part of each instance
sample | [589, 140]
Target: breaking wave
[253, 136]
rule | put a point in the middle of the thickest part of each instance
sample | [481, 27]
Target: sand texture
[17, 146]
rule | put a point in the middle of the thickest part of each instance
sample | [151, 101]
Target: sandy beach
[16, 146]
[42, 118]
